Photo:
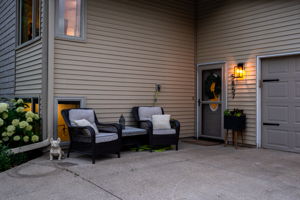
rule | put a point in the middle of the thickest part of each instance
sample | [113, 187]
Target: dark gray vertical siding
[29, 66]
[7, 46]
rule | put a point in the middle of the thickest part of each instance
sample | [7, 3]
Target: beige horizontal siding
[238, 31]
[130, 46]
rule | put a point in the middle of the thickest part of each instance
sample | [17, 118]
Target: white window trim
[58, 35]
[19, 29]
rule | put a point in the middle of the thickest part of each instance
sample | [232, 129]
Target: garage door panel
[296, 140]
[281, 103]
[278, 114]
[297, 115]
[297, 89]
[280, 89]
[277, 66]
[276, 138]
[297, 64]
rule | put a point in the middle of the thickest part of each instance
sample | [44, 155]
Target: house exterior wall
[7, 46]
[29, 65]
[31, 68]
[238, 31]
[130, 46]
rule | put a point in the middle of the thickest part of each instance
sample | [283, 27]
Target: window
[32, 103]
[29, 20]
[70, 19]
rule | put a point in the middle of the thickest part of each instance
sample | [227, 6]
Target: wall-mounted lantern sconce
[239, 72]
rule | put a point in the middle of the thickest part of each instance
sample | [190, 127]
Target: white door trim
[224, 87]
[258, 93]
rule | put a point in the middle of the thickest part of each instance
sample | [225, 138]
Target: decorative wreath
[212, 86]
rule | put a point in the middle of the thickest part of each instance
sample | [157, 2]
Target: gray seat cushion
[77, 114]
[100, 138]
[145, 113]
[164, 131]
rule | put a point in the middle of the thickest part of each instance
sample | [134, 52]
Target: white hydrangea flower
[29, 119]
[28, 128]
[35, 138]
[5, 139]
[36, 117]
[29, 114]
[15, 122]
[20, 109]
[10, 128]
[4, 134]
[26, 138]
[5, 115]
[23, 124]
[19, 101]
[16, 138]
[9, 134]
[3, 107]
[1, 122]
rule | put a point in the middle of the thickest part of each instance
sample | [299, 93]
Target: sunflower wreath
[213, 78]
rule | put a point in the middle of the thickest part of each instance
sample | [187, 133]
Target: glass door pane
[211, 103]
[212, 85]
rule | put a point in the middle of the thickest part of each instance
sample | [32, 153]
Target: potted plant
[234, 119]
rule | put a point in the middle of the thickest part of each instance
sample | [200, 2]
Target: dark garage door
[281, 103]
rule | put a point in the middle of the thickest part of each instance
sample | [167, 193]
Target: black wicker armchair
[93, 143]
[159, 136]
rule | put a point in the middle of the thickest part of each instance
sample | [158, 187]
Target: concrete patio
[194, 172]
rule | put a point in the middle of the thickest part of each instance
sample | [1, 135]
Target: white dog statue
[56, 150]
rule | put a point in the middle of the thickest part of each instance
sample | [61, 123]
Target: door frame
[224, 95]
[82, 101]
[259, 92]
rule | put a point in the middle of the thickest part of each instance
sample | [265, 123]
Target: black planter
[235, 123]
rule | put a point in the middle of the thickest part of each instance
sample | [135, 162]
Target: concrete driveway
[194, 172]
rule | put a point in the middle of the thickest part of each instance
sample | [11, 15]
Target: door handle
[271, 124]
[199, 102]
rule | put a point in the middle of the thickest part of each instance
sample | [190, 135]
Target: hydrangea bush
[17, 126]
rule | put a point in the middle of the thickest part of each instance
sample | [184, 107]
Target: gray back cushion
[145, 113]
[77, 114]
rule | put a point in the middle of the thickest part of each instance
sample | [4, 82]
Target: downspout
[195, 63]
[44, 69]
[50, 113]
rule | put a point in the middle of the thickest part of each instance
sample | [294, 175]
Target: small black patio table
[132, 136]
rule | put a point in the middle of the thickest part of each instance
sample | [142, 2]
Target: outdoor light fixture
[239, 72]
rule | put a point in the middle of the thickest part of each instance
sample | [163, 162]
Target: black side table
[133, 136]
